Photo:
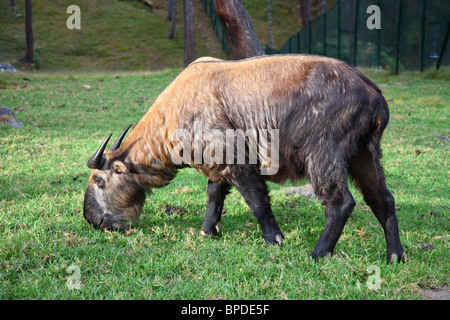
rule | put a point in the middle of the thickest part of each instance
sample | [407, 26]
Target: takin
[324, 118]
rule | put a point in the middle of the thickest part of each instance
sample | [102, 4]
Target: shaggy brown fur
[330, 119]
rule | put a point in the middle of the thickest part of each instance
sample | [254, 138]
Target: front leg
[216, 196]
[253, 189]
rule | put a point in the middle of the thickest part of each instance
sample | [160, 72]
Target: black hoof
[397, 258]
[276, 239]
[320, 255]
[211, 231]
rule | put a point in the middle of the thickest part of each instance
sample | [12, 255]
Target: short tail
[380, 122]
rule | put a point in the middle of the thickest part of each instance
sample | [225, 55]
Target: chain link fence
[410, 35]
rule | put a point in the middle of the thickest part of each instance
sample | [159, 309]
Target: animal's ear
[119, 167]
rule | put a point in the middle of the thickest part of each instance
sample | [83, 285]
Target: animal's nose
[99, 222]
[89, 220]
[96, 223]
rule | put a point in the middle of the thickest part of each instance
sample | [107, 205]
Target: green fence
[413, 34]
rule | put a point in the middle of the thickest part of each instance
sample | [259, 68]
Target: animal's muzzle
[92, 211]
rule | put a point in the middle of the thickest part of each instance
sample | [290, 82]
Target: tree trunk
[323, 6]
[243, 42]
[189, 33]
[172, 18]
[305, 7]
[269, 24]
[28, 58]
[169, 17]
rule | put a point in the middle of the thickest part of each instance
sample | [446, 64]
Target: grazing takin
[326, 120]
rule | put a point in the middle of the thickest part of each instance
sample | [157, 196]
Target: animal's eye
[99, 181]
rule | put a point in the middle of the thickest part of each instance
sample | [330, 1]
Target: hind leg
[367, 172]
[328, 177]
[216, 196]
[338, 203]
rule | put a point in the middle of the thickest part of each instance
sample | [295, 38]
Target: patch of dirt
[436, 294]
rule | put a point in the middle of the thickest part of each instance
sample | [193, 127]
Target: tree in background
[269, 24]
[305, 12]
[318, 8]
[28, 58]
[243, 42]
[323, 6]
[172, 17]
[189, 32]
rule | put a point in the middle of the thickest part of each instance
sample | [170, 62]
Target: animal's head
[114, 196]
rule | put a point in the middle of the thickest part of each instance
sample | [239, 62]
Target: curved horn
[118, 142]
[96, 161]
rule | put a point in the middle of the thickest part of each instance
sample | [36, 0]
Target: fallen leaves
[173, 210]
[131, 231]
[426, 246]
[361, 233]
[431, 213]
[184, 190]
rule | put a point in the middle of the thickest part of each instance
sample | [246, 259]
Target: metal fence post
[379, 42]
[324, 33]
[444, 46]
[397, 45]
[309, 37]
[355, 34]
[339, 29]
[422, 35]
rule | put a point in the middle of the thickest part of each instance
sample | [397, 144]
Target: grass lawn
[42, 231]
[114, 35]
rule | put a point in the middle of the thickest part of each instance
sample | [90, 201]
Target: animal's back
[313, 101]
[264, 92]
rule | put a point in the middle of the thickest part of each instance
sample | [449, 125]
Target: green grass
[114, 35]
[43, 175]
